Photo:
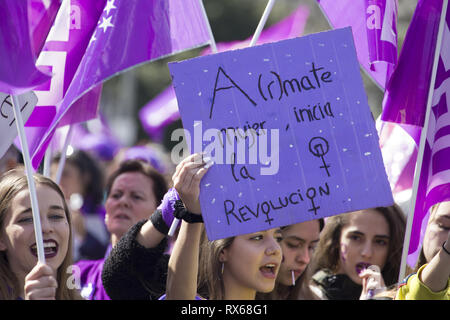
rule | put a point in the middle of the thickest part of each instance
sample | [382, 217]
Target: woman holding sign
[21, 277]
[359, 253]
[431, 281]
[232, 268]
[236, 267]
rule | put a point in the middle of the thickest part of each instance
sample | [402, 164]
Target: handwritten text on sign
[8, 127]
[290, 131]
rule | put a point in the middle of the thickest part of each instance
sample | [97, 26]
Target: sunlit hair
[11, 183]
[328, 249]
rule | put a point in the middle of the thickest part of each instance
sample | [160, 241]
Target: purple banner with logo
[290, 131]
[434, 183]
[406, 93]
[381, 26]
[64, 48]
[41, 15]
[130, 33]
[373, 25]
[18, 73]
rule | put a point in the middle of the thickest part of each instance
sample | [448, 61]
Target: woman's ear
[223, 255]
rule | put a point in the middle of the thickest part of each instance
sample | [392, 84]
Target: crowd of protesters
[109, 235]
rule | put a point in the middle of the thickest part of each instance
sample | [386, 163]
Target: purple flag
[406, 93]
[18, 73]
[399, 151]
[159, 112]
[374, 31]
[381, 26]
[63, 50]
[130, 33]
[41, 15]
[163, 109]
[434, 183]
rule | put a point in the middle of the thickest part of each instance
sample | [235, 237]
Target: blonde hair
[11, 183]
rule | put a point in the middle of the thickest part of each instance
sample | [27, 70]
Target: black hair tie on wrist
[181, 213]
[158, 222]
[443, 248]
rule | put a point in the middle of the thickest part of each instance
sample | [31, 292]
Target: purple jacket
[91, 278]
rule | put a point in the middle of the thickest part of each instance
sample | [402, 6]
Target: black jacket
[336, 286]
[133, 272]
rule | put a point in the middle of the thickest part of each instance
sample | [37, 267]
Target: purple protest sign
[289, 129]
[18, 73]
[130, 33]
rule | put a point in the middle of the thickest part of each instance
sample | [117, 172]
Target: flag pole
[262, 22]
[31, 184]
[256, 35]
[423, 138]
[211, 36]
[62, 160]
[48, 160]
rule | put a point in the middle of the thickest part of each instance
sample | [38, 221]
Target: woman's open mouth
[269, 270]
[50, 249]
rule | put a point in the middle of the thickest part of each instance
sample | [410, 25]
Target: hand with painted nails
[187, 177]
[40, 283]
[372, 282]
